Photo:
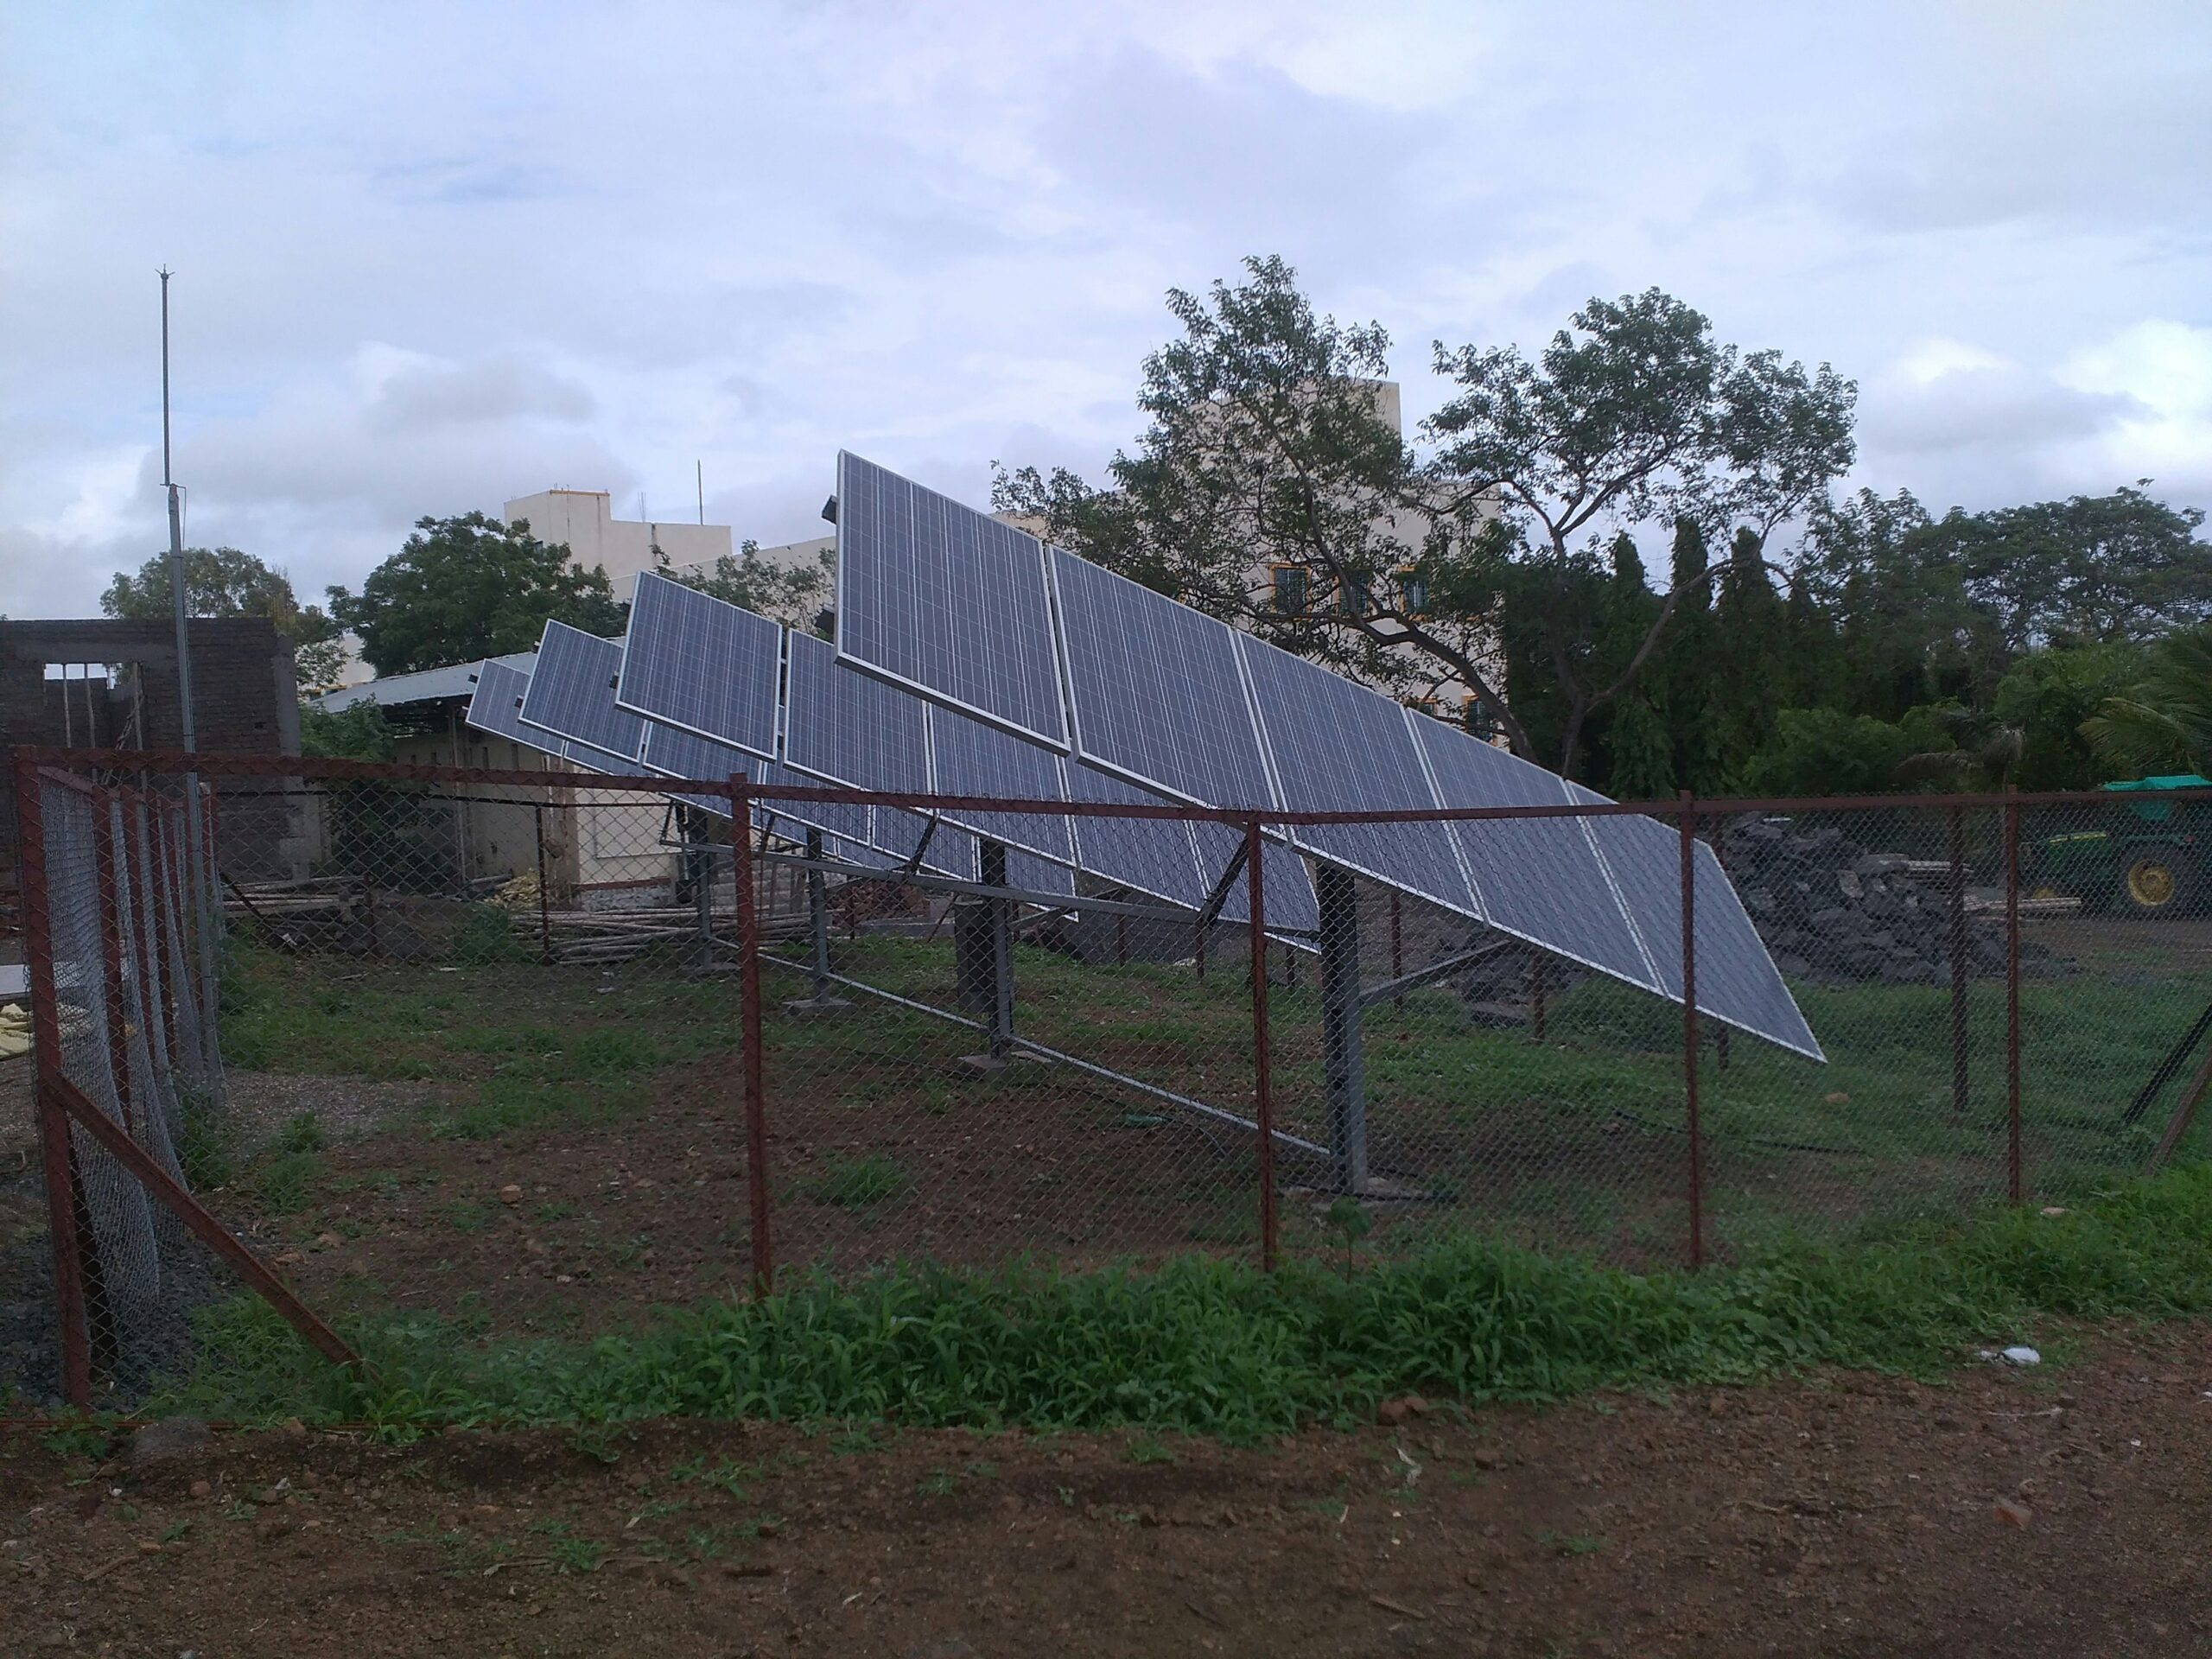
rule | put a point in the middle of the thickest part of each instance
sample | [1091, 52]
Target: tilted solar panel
[1539, 879]
[1153, 856]
[1338, 747]
[968, 758]
[846, 727]
[571, 693]
[1737, 979]
[946, 599]
[496, 704]
[1154, 689]
[697, 662]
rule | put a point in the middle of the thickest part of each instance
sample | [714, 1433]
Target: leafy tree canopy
[798, 597]
[222, 582]
[468, 588]
[1267, 447]
[358, 733]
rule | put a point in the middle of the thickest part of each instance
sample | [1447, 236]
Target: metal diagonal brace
[1444, 969]
[188, 1210]
[1219, 895]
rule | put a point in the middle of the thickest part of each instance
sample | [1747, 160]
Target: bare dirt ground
[2055, 1511]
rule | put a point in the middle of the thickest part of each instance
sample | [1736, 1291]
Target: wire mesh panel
[462, 1055]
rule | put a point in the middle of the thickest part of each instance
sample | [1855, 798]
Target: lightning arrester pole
[205, 922]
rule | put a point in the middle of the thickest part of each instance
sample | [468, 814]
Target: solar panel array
[947, 600]
[1160, 698]
[571, 693]
[691, 660]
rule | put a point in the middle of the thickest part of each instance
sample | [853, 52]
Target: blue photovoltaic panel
[1737, 979]
[672, 752]
[1539, 879]
[1027, 873]
[572, 693]
[1155, 689]
[1286, 885]
[1153, 856]
[496, 705]
[946, 599]
[1340, 748]
[968, 758]
[846, 820]
[697, 662]
[846, 727]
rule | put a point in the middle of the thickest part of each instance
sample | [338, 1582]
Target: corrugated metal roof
[429, 685]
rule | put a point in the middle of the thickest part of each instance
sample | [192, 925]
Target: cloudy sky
[432, 256]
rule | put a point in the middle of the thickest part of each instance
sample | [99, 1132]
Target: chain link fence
[520, 1057]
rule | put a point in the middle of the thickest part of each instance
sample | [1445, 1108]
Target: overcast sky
[432, 257]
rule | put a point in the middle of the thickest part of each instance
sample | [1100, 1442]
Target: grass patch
[1218, 1348]
[857, 1183]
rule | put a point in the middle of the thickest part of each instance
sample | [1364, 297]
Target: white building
[585, 521]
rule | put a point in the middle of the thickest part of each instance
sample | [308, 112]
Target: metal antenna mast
[176, 539]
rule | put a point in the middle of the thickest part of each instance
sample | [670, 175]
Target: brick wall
[244, 697]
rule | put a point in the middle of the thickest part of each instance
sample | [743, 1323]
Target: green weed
[857, 1183]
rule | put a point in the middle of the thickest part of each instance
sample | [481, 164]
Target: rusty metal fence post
[756, 1105]
[2015, 1183]
[1690, 1028]
[54, 1148]
[1263, 1109]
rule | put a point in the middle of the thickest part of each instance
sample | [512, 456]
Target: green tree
[360, 732]
[1267, 447]
[1826, 752]
[468, 588]
[2163, 723]
[2118, 567]
[222, 582]
[798, 596]
[2047, 694]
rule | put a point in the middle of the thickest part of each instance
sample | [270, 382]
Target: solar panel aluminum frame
[1650, 982]
[548, 639]
[1063, 637]
[1012, 829]
[1308, 844]
[1055, 740]
[644, 711]
[492, 686]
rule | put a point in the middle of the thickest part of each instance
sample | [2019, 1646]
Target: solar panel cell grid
[1340, 748]
[1737, 979]
[1155, 689]
[1153, 855]
[697, 662]
[572, 693]
[1537, 877]
[946, 599]
[968, 758]
[846, 727]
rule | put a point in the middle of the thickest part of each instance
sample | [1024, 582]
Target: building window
[1353, 599]
[1289, 590]
[1412, 593]
[1474, 714]
[1422, 705]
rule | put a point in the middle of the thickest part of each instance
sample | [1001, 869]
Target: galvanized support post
[822, 999]
[2016, 1181]
[54, 1148]
[756, 1103]
[1690, 1028]
[994, 873]
[1264, 1108]
[1341, 1059]
[1397, 946]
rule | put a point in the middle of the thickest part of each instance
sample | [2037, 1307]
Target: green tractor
[2148, 861]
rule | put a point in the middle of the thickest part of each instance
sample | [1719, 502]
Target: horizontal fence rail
[497, 1057]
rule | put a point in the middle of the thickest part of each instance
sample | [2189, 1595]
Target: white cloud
[430, 256]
